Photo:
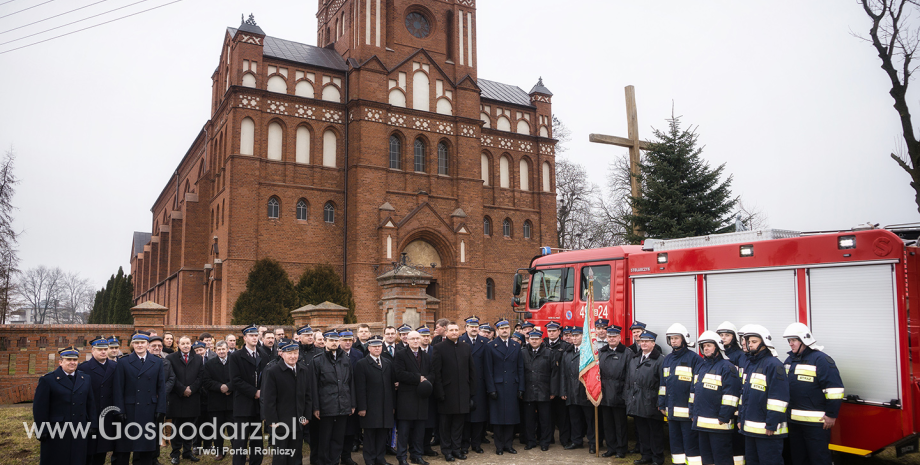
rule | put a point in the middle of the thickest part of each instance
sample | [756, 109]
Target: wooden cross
[632, 143]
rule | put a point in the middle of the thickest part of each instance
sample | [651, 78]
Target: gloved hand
[493, 395]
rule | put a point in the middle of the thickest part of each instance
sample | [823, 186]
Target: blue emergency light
[545, 251]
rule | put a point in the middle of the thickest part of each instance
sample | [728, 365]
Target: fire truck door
[661, 302]
[853, 316]
[766, 298]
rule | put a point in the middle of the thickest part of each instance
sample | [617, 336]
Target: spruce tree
[269, 296]
[95, 315]
[124, 301]
[320, 284]
[107, 291]
[681, 196]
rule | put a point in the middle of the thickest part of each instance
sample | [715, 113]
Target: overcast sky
[781, 92]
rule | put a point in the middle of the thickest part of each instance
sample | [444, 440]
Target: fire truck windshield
[553, 285]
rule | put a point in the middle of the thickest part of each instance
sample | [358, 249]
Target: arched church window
[302, 209]
[528, 227]
[329, 213]
[525, 175]
[419, 155]
[506, 228]
[490, 289]
[442, 159]
[395, 153]
[274, 208]
[247, 136]
[504, 172]
[486, 226]
[275, 137]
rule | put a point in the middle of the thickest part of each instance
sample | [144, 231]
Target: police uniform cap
[527, 324]
[553, 325]
[375, 341]
[100, 342]
[485, 327]
[614, 330]
[536, 333]
[602, 322]
[113, 342]
[423, 330]
[346, 334]
[637, 325]
[577, 330]
[198, 344]
[69, 352]
[334, 335]
[305, 329]
[140, 336]
[502, 323]
[567, 330]
[648, 335]
[518, 335]
[405, 329]
[250, 330]
[289, 346]
[473, 320]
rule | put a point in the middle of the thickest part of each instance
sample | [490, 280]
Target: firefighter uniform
[674, 395]
[815, 391]
[715, 394]
[736, 356]
[764, 401]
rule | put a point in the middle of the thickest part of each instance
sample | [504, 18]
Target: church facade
[380, 143]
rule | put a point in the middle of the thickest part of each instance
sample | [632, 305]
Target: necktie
[142, 360]
[390, 350]
[185, 356]
[223, 361]
[252, 354]
[378, 362]
[418, 358]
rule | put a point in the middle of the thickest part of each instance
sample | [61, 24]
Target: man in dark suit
[352, 428]
[285, 405]
[504, 380]
[100, 370]
[304, 336]
[474, 428]
[431, 424]
[455, 382]
[375, 384]
[333, 397]
[581, 411]
[216, 380]
[140, 394]
[246, 366]
[540, 378]
[64, 396]
[413, 372]
[389, 343]
[208, 340]
[268, 349]
[440, 327]
[155, 347]
[185, 398]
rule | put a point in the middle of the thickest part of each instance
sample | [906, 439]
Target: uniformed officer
[474, 427]
[286, 404]
[731, 340]
[674, 395]
[246, 367]
[642, 385]
[540, 377]
[64, 399]
[716, 389]
[558, 345]
[485, 330]
[504, 380]
[114, 351]
[100, 370]
[815, 395]
[333, 397]
[600, 333]
[403, 333]
[581, 410]
[764, 400]
[352, 428]
[613, 361]
[375, 388]
[140, 395]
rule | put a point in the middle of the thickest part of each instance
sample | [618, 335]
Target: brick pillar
[324, 315]
[404, 299]
[149, 315]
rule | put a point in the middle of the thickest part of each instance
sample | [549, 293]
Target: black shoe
[573, 446]
[511, 450]
[431, 453]
[609, 453]
[390, 451]
[174, 460]
[591, 449]
[348, 461]
[477, 450]
[464, 451]
[529, 446]
[621, 456]
[193, 458]
[634, 450]
[544, 448]
[419, 461]
[486, 441]
[498, 452]
[355, 447]
[447, 457]
[642, 461]
[462, 456]
[403, 462]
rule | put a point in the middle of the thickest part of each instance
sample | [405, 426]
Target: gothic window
[484, 169]
[525, 175]
[329, 213]
[329, 148]
[303, 145]
[487, 226]
[490, 289]
[546, 177]
[527, 229]
[504, 172]
[249, 80]
[506, 228]
[302, 209]
[274, 208]
[277, 84]
[275, 138]
[442, 158]
[395, 153]
[247, 136]
[419, 155]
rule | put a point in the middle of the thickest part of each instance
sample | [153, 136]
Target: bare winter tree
[580, 223]
[40, 288]
[562, 134]
[76, 299]
[752, 217]
[895, 35]
[9, 260]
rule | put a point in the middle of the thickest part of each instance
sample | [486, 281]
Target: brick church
[380, 141]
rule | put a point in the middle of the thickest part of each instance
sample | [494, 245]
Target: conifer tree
[681, 195]
[320, 284]
[269, 296]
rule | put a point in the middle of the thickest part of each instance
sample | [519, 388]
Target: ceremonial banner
[588, 369]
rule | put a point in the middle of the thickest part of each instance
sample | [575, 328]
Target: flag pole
[590, 310]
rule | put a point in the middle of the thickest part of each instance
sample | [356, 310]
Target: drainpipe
[345, 209]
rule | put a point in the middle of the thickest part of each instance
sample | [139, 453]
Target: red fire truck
[851, 288]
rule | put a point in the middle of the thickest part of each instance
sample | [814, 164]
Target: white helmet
[728, 327]
[802, 333]
[678, 329]
[744, 330]
[713, 337]
[762, 333]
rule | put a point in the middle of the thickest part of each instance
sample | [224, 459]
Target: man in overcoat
[286, 404]
[333, 395]
[473, 429]
[614, 366]
[454, 376]
[412, 368]
[101, 370]
[504, 380]
[185, 398]
[62, 397]
[246, 367]
[216, 380]
[581, 410]
[540, 375]
[375, 388]
[140, 395]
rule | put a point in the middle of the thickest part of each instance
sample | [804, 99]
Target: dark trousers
[716, 447]
[220, 419]
[283, 438]
[582, 420]
[684, 440]
[182, 443]
[451, 429]
[503, 435]
[375, 446]
[244, 431]
[561, 420]
[331, 438]
[472, 435]
[763, 451]
[141, 458]
[651, 438]
[118, 458]
[809, 444]
[737, 444]
[409, 437]
[313, 440]
[538, 413]
[615, 433]
[348, 442]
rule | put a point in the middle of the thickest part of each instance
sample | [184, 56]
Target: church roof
[140, 240]
[504, 93]
[539, 88]
[300, 53]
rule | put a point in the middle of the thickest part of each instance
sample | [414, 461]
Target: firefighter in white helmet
[815, 395]
[732, 340]
[716, 390]
[677, 372]
[764, 401]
